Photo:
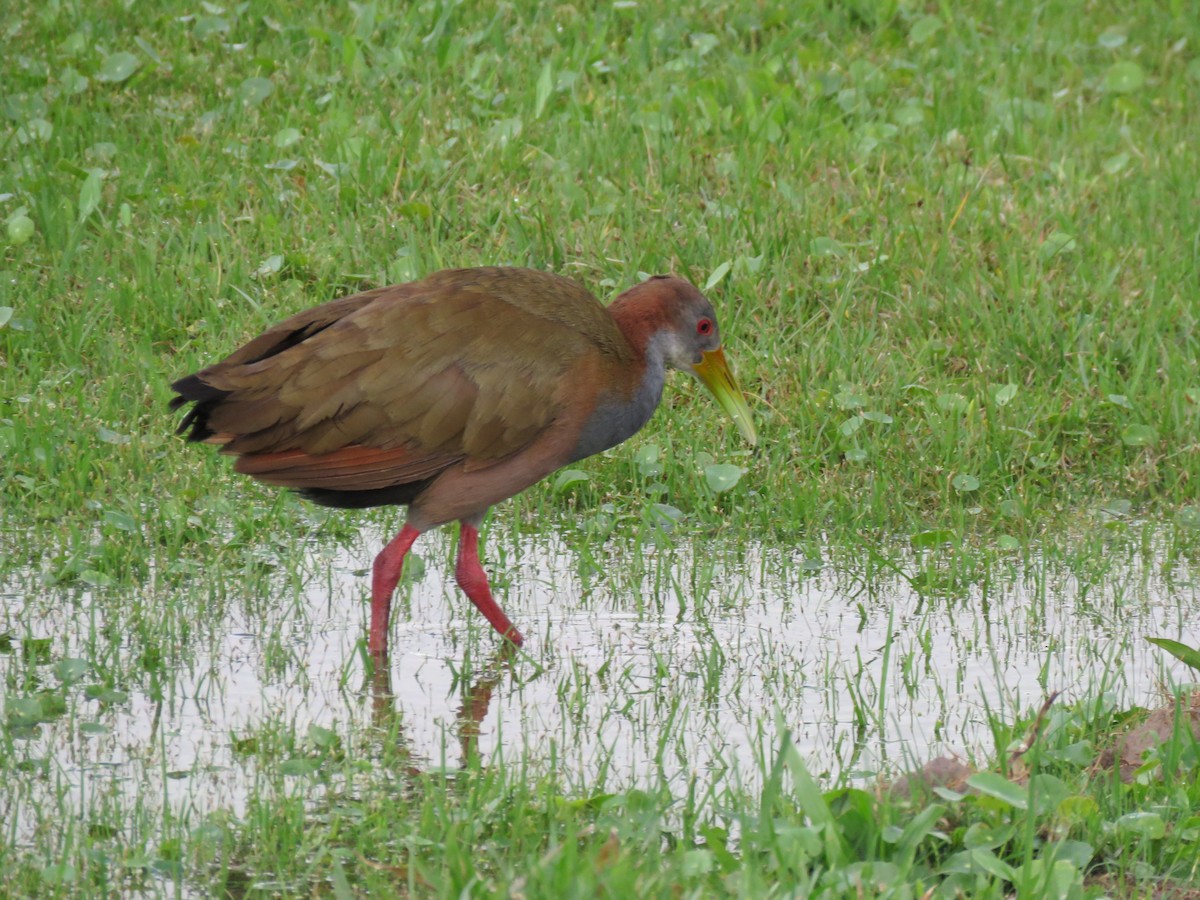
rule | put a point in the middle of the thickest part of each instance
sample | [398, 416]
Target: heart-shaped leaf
[1146, 824]
[1004, 394]
[722, 477]
[253, 91]
[1124, 77]
[826, 246]
[285, 137]
[20, 230]
[117, 67]
[569, 477]
[994, 785]
[933, 537]
[1138, 435]
[70, 670]
[964, 483]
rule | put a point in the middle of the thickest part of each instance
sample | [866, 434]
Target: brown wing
[394, 385]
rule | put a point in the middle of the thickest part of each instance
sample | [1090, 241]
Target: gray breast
[616, 419]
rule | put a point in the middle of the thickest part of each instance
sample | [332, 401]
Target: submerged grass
[955, 254]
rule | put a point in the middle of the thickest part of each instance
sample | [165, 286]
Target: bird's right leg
[385, 575]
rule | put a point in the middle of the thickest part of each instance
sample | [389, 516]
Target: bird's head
[681, 322]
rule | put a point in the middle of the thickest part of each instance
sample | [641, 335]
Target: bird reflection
[477, 686]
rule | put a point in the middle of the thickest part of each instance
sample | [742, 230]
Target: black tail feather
[205, 397]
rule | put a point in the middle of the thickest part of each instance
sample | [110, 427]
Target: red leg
[385, 575]
[473, 580]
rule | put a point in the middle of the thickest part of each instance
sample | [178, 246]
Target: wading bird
[450, 394]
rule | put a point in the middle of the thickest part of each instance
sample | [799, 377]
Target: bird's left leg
[469, 574]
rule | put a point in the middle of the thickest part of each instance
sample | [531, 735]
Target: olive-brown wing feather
[396, 385]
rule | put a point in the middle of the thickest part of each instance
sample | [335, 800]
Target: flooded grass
[671, 670]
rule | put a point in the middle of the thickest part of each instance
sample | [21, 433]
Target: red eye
[704, 326]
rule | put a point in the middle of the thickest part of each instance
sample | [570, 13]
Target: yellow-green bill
[714, 372]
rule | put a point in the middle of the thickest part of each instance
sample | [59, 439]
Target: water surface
[679, 662]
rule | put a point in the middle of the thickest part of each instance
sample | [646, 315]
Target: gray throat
[616, 418]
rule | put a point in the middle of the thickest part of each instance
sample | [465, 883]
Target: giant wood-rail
[450, 394]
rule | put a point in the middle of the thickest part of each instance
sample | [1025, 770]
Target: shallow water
[685, 670]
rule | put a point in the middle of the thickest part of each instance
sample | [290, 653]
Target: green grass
[954, 249]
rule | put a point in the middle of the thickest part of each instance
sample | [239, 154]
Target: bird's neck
[643, 321]
[619, 414]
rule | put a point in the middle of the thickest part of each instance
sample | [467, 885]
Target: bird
[450, 394]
